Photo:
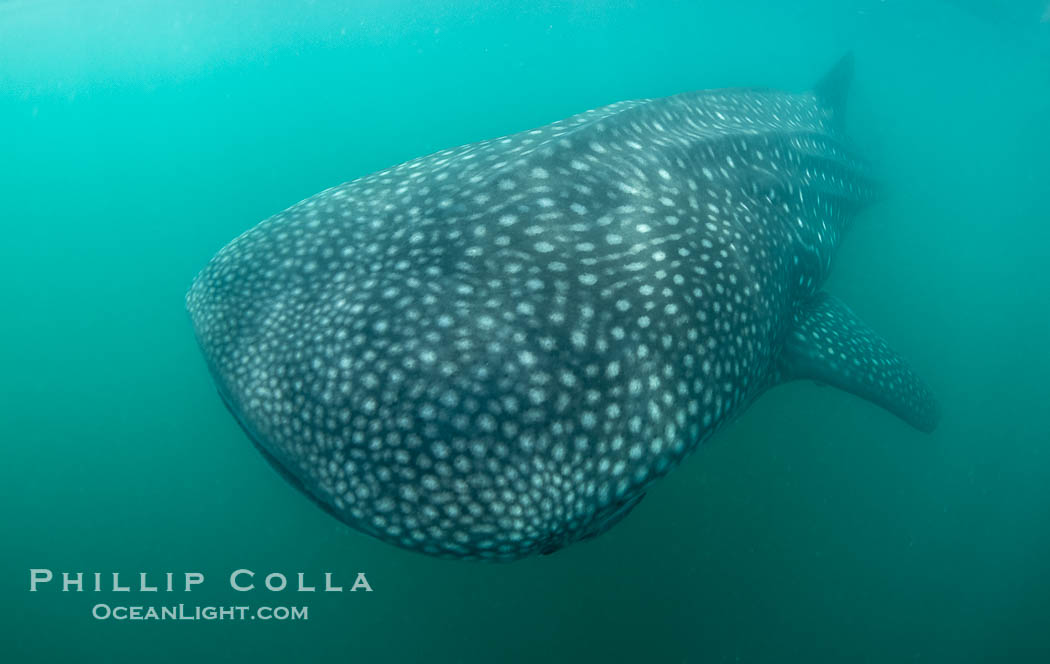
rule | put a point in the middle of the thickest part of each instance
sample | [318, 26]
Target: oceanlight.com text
[184, 612]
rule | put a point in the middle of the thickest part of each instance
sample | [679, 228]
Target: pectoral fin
[828, 343]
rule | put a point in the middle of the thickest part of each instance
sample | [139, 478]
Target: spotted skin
[492, 351]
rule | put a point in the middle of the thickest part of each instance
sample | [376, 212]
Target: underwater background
[137, 138]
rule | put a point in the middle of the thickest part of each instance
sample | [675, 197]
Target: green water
[137, 138]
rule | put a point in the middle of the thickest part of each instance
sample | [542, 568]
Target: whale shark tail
[833, 88]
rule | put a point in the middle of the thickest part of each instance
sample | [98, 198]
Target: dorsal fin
[833, 88]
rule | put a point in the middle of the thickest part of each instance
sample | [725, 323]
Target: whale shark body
[493, 351]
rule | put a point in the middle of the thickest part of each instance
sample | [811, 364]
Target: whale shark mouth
[281, 467]
[602, 521]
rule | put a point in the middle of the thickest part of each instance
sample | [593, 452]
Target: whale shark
[494, 351]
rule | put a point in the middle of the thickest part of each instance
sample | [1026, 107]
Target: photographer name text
[241, 580]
